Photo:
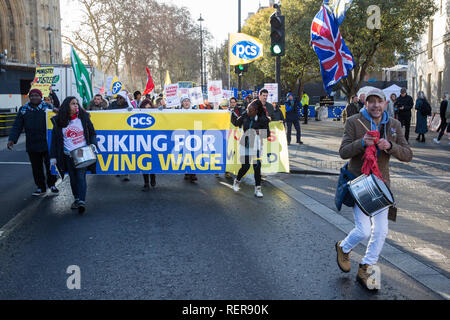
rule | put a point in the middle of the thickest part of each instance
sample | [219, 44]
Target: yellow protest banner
[43, 80]
[275, 155]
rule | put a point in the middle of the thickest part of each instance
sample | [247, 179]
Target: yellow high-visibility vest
[305, 100]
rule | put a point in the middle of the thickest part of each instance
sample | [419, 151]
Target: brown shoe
[364, 277]
[343, 259]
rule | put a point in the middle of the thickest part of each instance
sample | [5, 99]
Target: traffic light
[241, 68]
[277, 35]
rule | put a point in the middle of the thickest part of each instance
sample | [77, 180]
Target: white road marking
[20, 217]
[26, 163]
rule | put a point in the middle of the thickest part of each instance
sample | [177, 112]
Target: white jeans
[376, 227]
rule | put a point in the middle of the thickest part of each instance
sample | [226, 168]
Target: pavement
[421, 189]
[201, 240]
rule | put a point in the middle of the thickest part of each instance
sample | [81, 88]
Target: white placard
[273, 92]
[172, 96]
[215, 91]
[183, 92]
[196, 96]
[228, 94]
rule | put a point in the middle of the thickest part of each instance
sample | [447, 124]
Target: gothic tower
[30, 31]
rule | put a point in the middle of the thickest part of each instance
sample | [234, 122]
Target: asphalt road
[178, 241]
[16, 182]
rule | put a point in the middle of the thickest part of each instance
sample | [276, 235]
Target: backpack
[426, 109]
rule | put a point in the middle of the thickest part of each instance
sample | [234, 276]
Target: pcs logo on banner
[141, 121]
[244, 49]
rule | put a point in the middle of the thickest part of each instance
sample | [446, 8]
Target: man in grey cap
[392, 142]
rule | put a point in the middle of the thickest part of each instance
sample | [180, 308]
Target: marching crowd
[374, 126]
[73, 129]
[372, 122]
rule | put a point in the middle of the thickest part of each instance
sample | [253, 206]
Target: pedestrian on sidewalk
[423, 111]
[32, 117]
[292, 118]
[72, 129]
[148, 104]
[353, 107]
[442, 110]
[404, 104]
[256, 127]
[305, 105]
[391, 143]
[391, 106]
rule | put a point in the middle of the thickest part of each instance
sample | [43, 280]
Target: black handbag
[343, 195]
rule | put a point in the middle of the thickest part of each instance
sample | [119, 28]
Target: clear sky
[221, 16]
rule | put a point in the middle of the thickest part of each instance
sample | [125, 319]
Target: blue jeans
[77, 179]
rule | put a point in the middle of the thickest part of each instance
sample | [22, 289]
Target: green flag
[84, 86]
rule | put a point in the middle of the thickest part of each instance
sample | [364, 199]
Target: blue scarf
[42, 106]
[373, 125]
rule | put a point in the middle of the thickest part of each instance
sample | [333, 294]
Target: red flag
[150, 85]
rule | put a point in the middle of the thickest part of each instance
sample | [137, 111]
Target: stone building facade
[24, 31]
[429, 69]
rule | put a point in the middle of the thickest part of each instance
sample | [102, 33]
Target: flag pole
[229, 74]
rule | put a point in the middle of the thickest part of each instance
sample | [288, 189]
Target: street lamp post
[201, 51]
[50, 32]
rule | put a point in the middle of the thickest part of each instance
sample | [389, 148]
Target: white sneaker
[258, 192]
[236, 184]
[436, 140]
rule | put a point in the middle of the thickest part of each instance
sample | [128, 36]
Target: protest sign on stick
[43, 80]
[273, 92]
[215, 91]
[196, 96]
[172, 96]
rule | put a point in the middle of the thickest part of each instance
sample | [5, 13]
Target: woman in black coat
[256, 125]
[72, 129]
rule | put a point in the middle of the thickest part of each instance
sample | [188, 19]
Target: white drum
[371, 194]
[83, 157]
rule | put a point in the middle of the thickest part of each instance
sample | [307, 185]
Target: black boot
[418, 138]
[423, 138]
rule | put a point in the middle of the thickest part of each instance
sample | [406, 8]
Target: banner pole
[229, 74]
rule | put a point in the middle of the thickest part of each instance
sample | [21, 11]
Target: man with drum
[392, 142]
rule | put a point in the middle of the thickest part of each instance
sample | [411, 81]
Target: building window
[430, 40]
[440, 78]
[413, 93]
[429, 87]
